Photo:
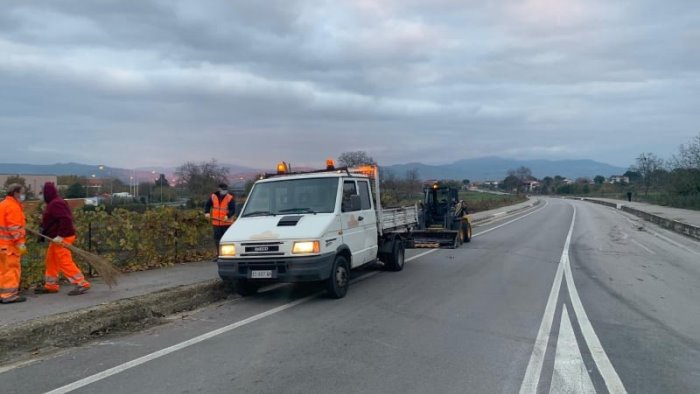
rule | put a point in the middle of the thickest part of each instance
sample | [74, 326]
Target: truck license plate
[261, 274]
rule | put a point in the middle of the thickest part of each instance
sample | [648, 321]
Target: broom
[103, 267]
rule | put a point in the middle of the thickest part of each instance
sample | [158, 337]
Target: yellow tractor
[445, 221]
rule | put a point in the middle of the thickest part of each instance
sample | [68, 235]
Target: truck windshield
[310, 195]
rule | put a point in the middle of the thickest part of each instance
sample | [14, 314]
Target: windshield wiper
[304, 210]
[258, 213]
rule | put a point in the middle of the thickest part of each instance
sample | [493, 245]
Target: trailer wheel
[467, 230]
[246, 288]
[397, 258]
[339, 281]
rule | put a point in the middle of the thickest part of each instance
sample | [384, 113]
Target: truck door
[368, 220]
[353, 232]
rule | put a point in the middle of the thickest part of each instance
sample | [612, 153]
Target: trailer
[314, 226]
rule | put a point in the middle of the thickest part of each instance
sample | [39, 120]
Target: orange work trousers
[59, 260]
[10, 271]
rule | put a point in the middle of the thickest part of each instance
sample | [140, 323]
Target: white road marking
[534, 366]
[642, 246]
[511, 221]
[570, 372]
[420, 255]
[605, 367]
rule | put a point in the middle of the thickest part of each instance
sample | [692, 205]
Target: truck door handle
[360, 218]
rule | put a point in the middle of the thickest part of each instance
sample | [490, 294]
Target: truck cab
[306, 227]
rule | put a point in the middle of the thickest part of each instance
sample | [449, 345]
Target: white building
[619, 179]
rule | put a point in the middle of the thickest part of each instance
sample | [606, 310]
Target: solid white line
[510, 221]
[534, 365]
[182, 345]
[607, 371]
[420, 255]
[570, 372]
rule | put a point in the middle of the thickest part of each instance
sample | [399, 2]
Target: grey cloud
[158, 82]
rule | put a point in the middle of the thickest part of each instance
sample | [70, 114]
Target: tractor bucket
[427, 239]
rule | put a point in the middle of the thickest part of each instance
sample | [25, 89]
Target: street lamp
[150, 186]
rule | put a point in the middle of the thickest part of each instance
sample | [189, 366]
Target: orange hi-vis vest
[219, 210]
[12, 223]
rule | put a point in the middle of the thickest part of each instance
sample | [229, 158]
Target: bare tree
[648, 166]
[688, 156]
[200, 179]
[356, 158]
[413, 182]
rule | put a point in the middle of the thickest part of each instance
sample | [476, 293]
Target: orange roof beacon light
[367, 169]
[330, 165]
[435, 185]
[281, 168]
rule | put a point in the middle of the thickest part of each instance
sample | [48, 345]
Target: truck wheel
[397, 258]
[245, 288]
[467, 232]
[339, 281]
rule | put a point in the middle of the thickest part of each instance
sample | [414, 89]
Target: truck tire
[246, 288]
[395, 261]
[339, 281]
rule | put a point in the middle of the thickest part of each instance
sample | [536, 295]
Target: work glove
[22, 248]
[208, 216]
[58, 239]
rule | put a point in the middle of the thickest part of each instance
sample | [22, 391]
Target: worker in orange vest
[12, 247]
[57, 224]
[220, 208]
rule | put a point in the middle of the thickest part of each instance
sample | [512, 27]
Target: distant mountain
[496, 168]
[486, 168]
[121, 173]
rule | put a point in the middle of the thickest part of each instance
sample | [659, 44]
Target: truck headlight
[227, 250]
[306, 247]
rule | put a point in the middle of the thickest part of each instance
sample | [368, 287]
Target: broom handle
[40, 234]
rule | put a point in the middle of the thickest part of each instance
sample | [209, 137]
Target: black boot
[14, 299]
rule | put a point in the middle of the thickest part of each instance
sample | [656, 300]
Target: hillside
[492, 168]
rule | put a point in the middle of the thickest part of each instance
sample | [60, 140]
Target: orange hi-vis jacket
[219, 210]
[12, 223]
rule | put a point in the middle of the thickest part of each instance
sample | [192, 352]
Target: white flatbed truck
[313, 227]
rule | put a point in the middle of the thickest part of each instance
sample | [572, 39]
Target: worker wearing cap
[57, 224]
[12, 247]
[220, 208]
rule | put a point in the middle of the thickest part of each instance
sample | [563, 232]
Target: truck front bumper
[283, 269]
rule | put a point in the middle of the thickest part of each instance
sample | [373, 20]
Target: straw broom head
[103, 267]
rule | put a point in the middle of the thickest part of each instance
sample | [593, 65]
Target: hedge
[132, 241]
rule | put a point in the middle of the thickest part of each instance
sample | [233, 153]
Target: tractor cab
[438, 201]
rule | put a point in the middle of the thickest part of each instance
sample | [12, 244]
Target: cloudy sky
[148, 82]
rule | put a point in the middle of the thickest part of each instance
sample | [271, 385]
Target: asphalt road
[533, 304]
